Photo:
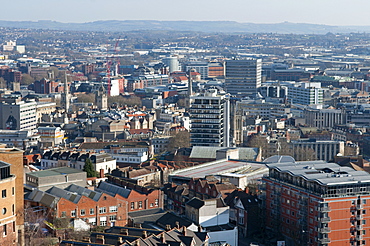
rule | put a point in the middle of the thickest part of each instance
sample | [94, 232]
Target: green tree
[89, 168]
[180, 140]
[26, 79]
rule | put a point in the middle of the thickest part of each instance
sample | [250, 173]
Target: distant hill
[199, 26]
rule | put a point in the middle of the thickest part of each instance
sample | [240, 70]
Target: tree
[86, 98]
[26, 79]
[89, 168]
[180, 140]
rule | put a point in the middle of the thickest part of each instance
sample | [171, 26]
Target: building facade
[243, 77]
[210, 119]
[318, 203]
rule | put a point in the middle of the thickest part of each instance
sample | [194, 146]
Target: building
[210, 119]
[324, 149]
[305, 93]
[61, 177]
[324, 118]
[243, 77]
[77, 202]
[15, 179]
[51, 136]
[317, 203]
[16, 114]
[101, 98]
[172, 62]
[8, 216]
[198, 66]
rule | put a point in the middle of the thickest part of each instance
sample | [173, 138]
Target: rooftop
[55, 172]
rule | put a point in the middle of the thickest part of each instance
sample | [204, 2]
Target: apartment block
[317, 203]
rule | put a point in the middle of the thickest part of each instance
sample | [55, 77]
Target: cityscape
[163, 136]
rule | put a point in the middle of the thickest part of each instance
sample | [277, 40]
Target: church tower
[101, 98]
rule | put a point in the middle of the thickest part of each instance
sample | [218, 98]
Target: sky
[328, 12]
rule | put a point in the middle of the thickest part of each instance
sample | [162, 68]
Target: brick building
[138, 197]
[96, 208]
[318, 203]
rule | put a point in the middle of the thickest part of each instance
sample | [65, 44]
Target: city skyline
[266, 11]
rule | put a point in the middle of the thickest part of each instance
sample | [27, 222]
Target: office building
[16, 114]
[305, 93]
[210, 119]
[243, 77]
[317, 203]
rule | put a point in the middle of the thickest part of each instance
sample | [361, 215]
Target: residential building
[138, 197]
[77, 202]
[8, 217]
[317, 203]
[14, 157]
[210, 119]
[243, 77]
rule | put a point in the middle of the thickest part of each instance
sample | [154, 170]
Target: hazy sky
[331, 12]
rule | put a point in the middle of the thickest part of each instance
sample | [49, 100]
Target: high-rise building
[317, 203]
[172, 62]
[210, 119]
[243, 77]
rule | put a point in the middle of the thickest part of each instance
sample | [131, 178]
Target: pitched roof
[195, 203]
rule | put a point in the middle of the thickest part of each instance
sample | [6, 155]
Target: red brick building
[97, 208]
[318, 203]
[136, 196]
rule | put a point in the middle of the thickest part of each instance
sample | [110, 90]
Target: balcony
[324, 240]
[359, 206]
[359, 216]
[323, 219]
[359, 237]
[358, 227]
[324, 230]
[324, 209]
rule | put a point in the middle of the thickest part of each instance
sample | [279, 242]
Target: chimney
[168, 227]
[163, 239]
[100, 239]
[139, 226]
[145, 235]
[124, 231]
[120, 241]
[200, 229]
[184, 231]
[86, 239]
[177, 225]
[101, 173]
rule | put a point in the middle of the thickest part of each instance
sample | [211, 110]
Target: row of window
[102, 210]
[4, 193]
[139, 204]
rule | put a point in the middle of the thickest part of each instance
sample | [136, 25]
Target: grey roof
[279, 159]
[322, 172]
[43, 197]
[94, 195]
[55, 171]
[112, 189]
[71, 196]
[195, 203]
[210, 152]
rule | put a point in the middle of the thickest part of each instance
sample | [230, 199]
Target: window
[82, 212]
[364, 201]
[13, 191]
[132, 205]
[364, 222]
[112, 217]
[113, 209]
[92, 211]
[64, 214]
[140, 204]
[73, 213]
[3, 193]
[103, 223]
[156, 202]
[151, 205]
[4, 230]
[102, 210]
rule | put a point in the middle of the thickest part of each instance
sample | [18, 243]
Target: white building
[53, 135]
[18, 115]
[306, 93]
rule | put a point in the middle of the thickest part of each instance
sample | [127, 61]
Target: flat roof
[213, 168]
[55, 172]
